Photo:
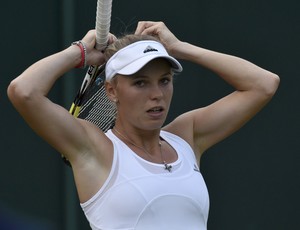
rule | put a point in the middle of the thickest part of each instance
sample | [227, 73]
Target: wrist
[83, 53]
[185, 51]
[177, 49]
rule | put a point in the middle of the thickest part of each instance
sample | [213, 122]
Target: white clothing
[141, 195]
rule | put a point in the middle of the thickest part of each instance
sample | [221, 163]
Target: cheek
[129, 100]
[169, 93]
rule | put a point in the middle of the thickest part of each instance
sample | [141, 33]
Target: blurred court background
[253, 177]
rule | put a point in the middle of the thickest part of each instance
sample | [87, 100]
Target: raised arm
[254, 86]
[28, 93]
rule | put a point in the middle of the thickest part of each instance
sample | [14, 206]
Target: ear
[111, 91]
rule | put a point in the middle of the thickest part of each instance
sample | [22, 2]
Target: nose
[156, 92]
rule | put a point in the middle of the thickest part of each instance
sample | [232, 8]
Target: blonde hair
[123, 42]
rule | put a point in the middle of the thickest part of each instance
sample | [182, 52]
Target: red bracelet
[82, 47]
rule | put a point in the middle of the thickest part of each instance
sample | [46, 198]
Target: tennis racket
[91, 102]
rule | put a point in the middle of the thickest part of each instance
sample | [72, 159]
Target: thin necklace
[167, 167]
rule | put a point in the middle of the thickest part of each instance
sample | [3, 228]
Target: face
[144, 98]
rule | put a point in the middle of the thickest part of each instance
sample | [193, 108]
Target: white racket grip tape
[103, 18]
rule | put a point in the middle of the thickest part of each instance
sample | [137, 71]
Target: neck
[143, 138]
[150, 154]
[141, 141]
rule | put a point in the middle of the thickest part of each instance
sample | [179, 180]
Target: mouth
[156, 110]
[157, 113]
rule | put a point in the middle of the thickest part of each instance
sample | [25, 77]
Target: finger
[153, 30]
[142, 26]
[90, 39]
[111, 39]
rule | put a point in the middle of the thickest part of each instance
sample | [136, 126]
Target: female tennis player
[141, 174]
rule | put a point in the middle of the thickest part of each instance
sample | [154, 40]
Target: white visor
[133, 57]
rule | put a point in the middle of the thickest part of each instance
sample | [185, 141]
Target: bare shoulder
[182, 126]
[186, 127]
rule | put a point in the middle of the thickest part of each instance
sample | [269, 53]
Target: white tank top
[142, 195]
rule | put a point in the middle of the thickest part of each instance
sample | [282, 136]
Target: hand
[94, 56]
[160, 31]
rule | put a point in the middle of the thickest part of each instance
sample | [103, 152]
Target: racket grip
[103, 19]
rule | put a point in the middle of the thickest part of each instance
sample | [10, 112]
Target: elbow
[269, 85]
[12, 91]
[273, 84]
[17, 93]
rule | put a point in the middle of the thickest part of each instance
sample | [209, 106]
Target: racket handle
[103, 19]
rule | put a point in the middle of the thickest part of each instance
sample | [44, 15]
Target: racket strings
[98, 109]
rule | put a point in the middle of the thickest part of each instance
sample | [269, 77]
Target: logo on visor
[149, 49]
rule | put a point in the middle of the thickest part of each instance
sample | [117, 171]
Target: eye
[166, 80]
[140, 83]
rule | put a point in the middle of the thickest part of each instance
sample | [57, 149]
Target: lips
[155, 110]
[156, 113]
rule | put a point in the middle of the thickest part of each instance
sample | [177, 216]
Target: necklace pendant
[167, 167]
